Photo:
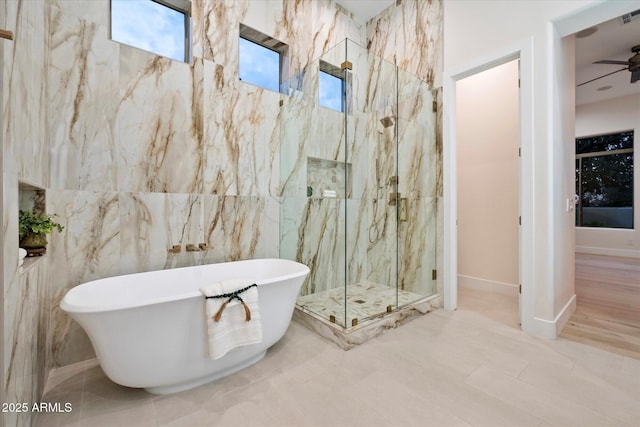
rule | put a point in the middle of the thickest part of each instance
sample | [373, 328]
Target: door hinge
[520, 288]
[520, 220]
[519, 151]
[434, 274]
[435, 107]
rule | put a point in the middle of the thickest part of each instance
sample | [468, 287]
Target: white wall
[607, 117]
[487, 152]
[477, 32]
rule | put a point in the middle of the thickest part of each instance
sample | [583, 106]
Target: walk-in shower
[358, 185]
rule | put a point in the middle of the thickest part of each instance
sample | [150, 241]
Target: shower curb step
[351, 337]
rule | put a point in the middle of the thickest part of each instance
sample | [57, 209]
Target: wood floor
[608, 304]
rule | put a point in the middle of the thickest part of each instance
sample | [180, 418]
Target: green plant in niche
[33, 228]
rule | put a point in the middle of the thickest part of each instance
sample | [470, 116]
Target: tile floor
[471, 367]
[364, 301]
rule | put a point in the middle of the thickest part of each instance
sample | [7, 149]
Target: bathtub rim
[72, 308]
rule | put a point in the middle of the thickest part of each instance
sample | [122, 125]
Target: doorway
[488, 188]
[607, 239]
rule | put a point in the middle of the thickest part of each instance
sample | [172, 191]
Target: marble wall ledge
[29, 262]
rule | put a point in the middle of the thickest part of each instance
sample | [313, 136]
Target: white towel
[232, 330]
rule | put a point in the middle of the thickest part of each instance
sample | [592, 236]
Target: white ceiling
[364, 10]
[612, 41]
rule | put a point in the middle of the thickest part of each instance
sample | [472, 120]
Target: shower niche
[371, 250]
[327, 178]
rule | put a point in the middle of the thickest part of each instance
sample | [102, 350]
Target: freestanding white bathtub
[149, 329]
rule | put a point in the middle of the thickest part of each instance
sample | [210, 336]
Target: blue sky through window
[148, 25]
[330, 92]
[259, 65]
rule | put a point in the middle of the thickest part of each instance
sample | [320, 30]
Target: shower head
[387, 121]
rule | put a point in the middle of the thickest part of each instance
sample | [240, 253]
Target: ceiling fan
[633, 65]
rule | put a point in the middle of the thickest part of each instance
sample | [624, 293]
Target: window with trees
[604, 180]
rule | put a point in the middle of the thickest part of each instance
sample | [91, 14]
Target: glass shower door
[314, 185]
[359, 185]
[372, 208]
[419, 188]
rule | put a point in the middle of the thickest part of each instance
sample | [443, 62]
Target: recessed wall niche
[31, 198]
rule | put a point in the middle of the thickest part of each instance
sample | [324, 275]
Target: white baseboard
[625, 253]
[475, 283]
[551, 328]
[536, 326]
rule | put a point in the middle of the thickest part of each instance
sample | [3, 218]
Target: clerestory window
[262, 59]
[331, 87]
[162, 27]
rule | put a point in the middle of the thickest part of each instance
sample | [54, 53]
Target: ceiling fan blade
[635, 76]
[608, 74]
[605, 61]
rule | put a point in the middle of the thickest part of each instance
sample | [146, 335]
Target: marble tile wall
[409, 34]
[27, 329]
[25, 158]
[159, 124]
[25, 122]
[82, 81]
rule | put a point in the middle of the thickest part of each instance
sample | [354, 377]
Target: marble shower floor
[364, 300]
[469, 367]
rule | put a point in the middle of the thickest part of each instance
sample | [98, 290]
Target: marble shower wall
[315, 227]
[410, 35]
